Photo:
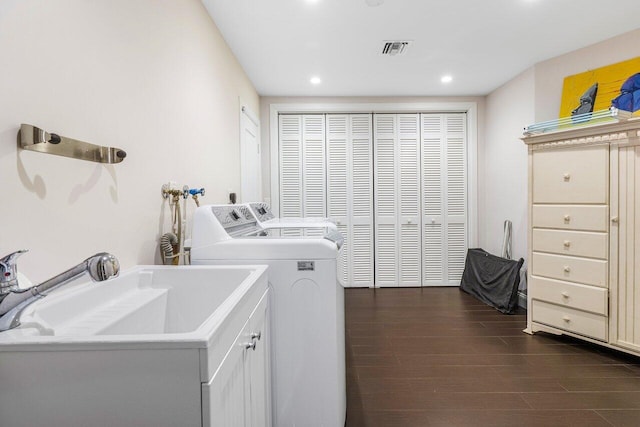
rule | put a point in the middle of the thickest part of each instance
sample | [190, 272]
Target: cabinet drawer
[573, 295]
[576, 321]
[574, 243]
[571, 176]
[572, 269]
[567, 217]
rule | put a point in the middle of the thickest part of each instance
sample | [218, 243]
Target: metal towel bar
[35, 139]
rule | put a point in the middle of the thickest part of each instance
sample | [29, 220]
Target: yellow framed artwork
[616, 84]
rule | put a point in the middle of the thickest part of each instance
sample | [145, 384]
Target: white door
[350, 193]
[224, 398]
[260, 365]
[444, 198]
[250, 177]
[397, 200]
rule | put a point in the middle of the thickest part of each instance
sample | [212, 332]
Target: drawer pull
[566, 319]
[565, 294]
[567, 218]
[567, 269]
[567, 176]
[614, 220]
[567, 244]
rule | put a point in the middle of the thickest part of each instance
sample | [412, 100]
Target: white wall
[503, 194]
[533, 96]
[549, 75]
[153, 77]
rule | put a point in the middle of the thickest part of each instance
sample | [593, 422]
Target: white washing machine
[268, 220]
[308, 351]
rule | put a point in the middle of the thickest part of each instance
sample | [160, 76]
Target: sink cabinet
[207, 374]
[584, 193]
[239, 394]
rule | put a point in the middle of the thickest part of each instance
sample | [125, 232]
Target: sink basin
[144, 304]
[134, 350]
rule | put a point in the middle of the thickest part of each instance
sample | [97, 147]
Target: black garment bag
[492, 279]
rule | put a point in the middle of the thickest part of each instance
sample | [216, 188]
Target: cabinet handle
[565, 294]
[250, 345]
[567, 176]
[567, 243]
[256, 335]
[614, 220]
[567, 218]
[566, 319]
[567, 269]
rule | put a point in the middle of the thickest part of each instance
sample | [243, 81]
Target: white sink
[134, 350]
[144, 304]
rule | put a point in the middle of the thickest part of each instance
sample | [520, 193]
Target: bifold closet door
[625, 239]
[302, 167]
[398, 251]
[350, 193]
[444, 198]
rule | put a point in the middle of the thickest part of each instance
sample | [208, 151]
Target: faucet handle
[9, 272]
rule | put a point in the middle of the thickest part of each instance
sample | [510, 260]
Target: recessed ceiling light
[315, 80]
[446, 79]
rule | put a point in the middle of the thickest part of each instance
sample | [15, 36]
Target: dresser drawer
[576, 321]
[574, 243]
[572, 295]
[571, 175]
[567, 217]
[572, 269]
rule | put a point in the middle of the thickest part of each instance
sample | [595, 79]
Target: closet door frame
[470, 108]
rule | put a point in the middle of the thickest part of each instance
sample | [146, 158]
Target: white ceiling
[482, 44]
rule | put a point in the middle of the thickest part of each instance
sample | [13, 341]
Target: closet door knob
[408, 221]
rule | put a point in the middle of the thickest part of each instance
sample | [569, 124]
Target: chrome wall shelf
[35, 139]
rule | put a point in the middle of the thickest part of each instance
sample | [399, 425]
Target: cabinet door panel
[260, 365]
[224, 397]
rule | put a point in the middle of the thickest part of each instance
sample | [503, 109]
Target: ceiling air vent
[395, 48]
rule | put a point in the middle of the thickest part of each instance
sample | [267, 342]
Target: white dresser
[584, 234]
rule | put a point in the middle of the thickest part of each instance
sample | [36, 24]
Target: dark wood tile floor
[438, 357]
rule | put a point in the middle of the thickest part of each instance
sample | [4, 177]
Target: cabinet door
[260, 365]
[625, 240]
[224, 398]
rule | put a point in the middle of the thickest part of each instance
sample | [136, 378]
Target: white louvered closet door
[361, 265]
[397, 200]
[302, 168]
[350, 193]
[444, 200]
[290, 158]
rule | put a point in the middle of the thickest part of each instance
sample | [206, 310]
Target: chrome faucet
[13, 301]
